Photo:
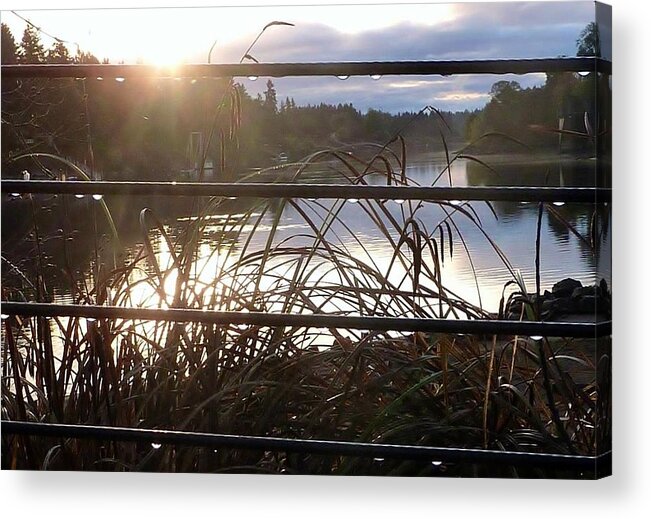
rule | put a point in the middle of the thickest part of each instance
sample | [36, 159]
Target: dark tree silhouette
[270, 99]
[9, 47]
[588, 43]
[31, 49]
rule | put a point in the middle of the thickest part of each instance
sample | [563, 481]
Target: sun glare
[163, 54]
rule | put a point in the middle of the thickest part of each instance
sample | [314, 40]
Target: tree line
[570, 112]
[142, 128]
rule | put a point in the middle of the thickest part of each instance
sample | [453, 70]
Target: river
[474, 272]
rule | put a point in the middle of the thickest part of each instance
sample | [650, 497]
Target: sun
[165, 54]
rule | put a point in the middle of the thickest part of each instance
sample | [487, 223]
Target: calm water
[477, 274]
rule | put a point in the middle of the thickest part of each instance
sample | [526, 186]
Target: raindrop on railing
[120, 79]
[352, 200]
[193, 81]
[343, 78]
[536, 338]
[79, 195]
[4, 316]
[97, 196]
[559, 204]
[399, 201]
[455, 202]
[14, 195]
[99, 78]
[437, 463]
[378, 459]
[375, 77]
[252, 78]
[583, 73]
[156, 445]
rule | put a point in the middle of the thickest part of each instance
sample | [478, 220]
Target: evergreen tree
[31, 49]
[58, 53]
[270, 99]
[9, 47]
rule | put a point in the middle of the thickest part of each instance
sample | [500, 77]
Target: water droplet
[4, 316]
[99, 78]
[90, 319]
[437, 463]
[120, 79]
[156, 445]
[559, 204]
[173, 182]
[583, 73]
[15, 195]
[352, 200]
[399, 201]
[378, 459]
[375, 77]
[79, 195]
[97, 196]
[231, 198]
[311, 199]
[343, 78]
[536, 338]
[252, 78]
[455, 202]
[193, 82]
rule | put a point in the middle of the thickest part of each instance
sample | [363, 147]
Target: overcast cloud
[478, 31]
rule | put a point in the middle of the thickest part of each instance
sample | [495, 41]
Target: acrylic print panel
[345, 239]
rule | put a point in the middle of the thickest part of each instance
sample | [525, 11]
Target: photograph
[364, 239]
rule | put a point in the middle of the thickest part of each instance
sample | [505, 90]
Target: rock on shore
[567, 297]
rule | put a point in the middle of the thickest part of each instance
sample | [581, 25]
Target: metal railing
[274, 190]
[346, 68]
[282, 190]
[324, 447]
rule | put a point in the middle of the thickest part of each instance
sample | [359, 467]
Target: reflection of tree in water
[544, 172]
[547, 173]
[571, 173]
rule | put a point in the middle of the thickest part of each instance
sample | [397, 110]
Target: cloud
[476, 31]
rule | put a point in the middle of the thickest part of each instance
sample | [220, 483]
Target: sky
[365, 32]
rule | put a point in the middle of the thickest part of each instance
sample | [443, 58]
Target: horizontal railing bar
[281, 190]
[324, 447]
[360, 68]
[459, 326]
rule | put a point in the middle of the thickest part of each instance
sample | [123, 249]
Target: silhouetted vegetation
[515, 393]
[141, 128]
